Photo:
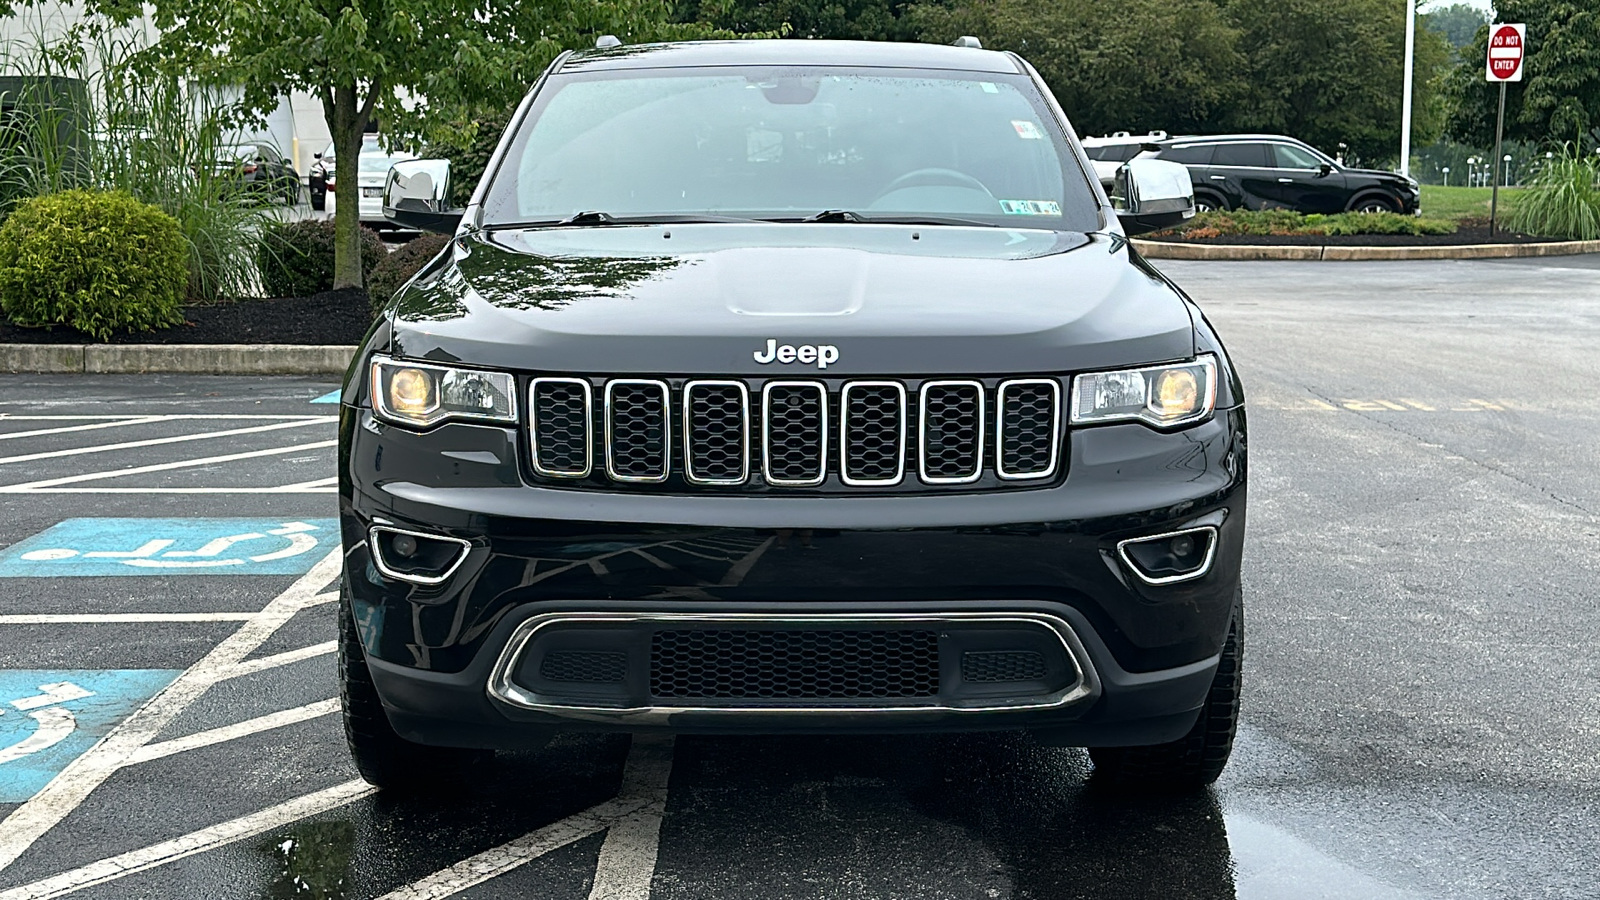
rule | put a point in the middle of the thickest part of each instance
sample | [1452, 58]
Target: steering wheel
[932, 177]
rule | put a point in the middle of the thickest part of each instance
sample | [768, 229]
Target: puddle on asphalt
[313, 861]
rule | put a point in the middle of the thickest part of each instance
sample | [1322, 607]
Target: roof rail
[967, 40]
[607, 41]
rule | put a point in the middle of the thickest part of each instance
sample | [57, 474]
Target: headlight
[1167, 395]
[422, 395]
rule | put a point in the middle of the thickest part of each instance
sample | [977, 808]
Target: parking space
[1421, 690]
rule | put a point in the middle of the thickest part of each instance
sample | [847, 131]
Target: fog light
[1172, 557]
[414, 556]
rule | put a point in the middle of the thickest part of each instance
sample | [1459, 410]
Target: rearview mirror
[1324, 170]
[1152, 194]
[416, 195]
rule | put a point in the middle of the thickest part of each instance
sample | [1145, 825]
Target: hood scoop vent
[827, 282]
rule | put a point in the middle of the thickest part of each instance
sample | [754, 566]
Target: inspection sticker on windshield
[1027, 130]
[1030, 207]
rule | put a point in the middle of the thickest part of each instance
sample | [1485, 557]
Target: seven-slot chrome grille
[797, 433]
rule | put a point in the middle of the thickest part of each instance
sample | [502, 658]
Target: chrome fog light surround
[388, 571]
[1208, 533]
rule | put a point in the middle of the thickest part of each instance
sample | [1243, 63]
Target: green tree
[1559, 96]
[1330, 71]
[1153, 64]
[411, 63]
[855, 20]
[1457, 23]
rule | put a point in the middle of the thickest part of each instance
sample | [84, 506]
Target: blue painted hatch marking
[330, 397]
[223, 546]
[49, 717]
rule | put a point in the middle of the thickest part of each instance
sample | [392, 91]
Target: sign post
[1507, 44]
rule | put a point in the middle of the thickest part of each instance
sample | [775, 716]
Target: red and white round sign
[1506, 46]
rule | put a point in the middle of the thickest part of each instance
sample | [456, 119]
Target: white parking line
[643, 794]
[252, 666]
[628, 856]
[235, 731]
[161, 467]
[165, 417]
[229, 832]
[306, 488]
[132, 618]
[142, 420]
[73, 784]
[153, 442]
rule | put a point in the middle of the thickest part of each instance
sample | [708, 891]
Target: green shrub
[1378, 223]
[401, 265]
[97, 262]
[1563, 200]
[1288, 222]
[296, 258]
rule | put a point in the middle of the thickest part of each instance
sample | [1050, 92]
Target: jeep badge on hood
[823, 355]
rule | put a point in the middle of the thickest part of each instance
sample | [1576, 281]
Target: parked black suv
[1268, 171]
[791, 386]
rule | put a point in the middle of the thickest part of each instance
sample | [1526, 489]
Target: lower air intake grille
[590, 666]
[793, 665]
[1002, 665]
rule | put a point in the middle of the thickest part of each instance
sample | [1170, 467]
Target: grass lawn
[1456, 203]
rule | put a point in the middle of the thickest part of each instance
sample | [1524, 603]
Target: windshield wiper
[834, 215]
[845, 215]
[599, 218]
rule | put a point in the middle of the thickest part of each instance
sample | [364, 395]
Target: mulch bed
[332, 317]
[1467, 234]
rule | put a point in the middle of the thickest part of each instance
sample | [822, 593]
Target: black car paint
[672, 301]
[1331, 189]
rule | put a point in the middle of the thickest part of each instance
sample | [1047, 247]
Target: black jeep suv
[792, 386]
[1268, 171]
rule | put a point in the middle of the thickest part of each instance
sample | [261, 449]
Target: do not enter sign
[1506, 46]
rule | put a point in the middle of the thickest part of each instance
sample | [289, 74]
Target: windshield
[380, 162]
[788, 142]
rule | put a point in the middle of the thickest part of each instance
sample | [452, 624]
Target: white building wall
[296, 127]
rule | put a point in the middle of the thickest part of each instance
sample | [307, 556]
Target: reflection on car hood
[689, 299]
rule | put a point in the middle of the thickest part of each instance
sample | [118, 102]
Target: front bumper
[445, 658]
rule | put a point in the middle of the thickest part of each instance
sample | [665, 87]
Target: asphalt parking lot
[1422, 692]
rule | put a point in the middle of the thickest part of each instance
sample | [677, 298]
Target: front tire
[384, 758]
[1196, 759]
[1375, 205]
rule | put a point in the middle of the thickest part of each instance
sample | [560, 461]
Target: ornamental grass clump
[1563, 201]
[95, 261]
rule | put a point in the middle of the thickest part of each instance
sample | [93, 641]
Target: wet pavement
[1421, 687]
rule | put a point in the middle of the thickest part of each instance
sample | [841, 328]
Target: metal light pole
[1405, 100]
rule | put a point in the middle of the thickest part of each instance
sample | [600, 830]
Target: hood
[1377, 173]
[717, 299]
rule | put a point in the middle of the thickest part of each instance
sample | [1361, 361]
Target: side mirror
[1152, 194]
[416, 195]
[1324, 170]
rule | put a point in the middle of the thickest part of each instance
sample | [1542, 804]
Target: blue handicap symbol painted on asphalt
[330, 397]
[171, 547]
[48, 717]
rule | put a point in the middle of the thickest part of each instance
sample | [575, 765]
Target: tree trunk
[346, 121]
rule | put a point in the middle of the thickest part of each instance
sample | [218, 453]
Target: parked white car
[1107, 154]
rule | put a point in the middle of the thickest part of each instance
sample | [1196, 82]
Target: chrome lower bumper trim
[502, 688]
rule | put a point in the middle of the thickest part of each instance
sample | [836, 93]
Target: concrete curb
[1171, 250]
[190, 359]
